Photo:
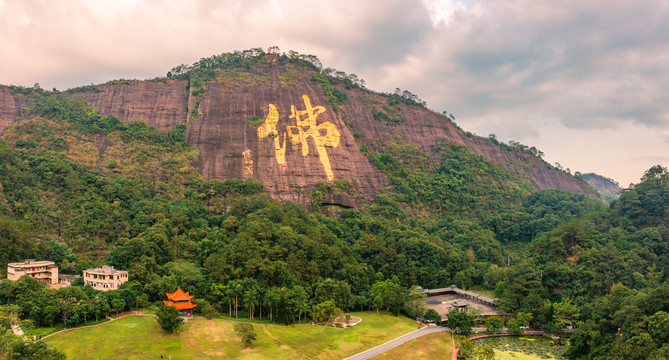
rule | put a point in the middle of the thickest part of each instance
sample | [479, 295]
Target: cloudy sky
[586, 82]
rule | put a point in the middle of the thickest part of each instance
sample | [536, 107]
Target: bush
[325, 312]
[254, 120]
[246, 332]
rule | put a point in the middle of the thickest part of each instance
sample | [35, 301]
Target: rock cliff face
[274, 125]
[287, 158]
[159, 104]
[427, 129]
[10, 107]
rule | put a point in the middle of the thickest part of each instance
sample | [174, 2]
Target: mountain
[283, 121]
[609, 188]
[217, 179]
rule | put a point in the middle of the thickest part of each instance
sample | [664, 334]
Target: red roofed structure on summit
[180, 300]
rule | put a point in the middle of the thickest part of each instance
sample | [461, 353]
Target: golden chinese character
[301, 131]
[269, 127]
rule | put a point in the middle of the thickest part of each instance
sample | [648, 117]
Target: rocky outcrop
[427, 129]
[159, 104]
[289, 159]
[274, 125]
[10, 107]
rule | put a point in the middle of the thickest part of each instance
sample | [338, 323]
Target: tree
[30, 350]
[565, 312]
[513, 326]
[461, 320]
[50, 314]
[246, 332]
[494, 324]
[414, 306]
[271, 299]
[284, 310]
[638, 347]
[391, 293]
[168, 318]
[524, 319]
[325, 312]
[118, 304]
[252, 295]
[433, 315]
[377, 302]
[235, 288]
[207, 309]
[658, 327]
[299, 301]
[335, 290]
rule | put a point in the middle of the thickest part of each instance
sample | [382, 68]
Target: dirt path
[278, 342]
[88, 326]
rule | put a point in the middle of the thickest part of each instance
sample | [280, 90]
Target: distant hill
[609, 188]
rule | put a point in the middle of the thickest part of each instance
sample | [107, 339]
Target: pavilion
[180, 300]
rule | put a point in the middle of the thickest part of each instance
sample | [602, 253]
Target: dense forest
[451, 218]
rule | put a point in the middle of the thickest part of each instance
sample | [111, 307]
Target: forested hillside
[609, 188]
[85, 189]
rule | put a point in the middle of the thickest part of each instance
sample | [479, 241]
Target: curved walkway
[396, 342]
[102, 323]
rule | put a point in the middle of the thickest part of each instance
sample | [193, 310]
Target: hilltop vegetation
[83, 189]
[609, 188]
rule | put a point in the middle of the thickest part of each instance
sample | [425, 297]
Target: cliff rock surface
[274, 124]
[10, 107]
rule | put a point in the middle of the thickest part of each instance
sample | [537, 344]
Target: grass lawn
[137, 337]
[43, 331]
[431, 346]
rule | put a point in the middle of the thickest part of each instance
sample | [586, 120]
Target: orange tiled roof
[180, 306]
[179, 295]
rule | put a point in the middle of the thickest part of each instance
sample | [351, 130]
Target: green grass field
[431, 346]
[136, 337]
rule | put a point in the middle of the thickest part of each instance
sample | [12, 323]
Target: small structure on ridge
[180, 300]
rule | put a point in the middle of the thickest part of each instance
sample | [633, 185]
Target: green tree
[565, 312]
[414, 305]
[513, 325]
[118, 304]
[433, 315]
[168, 318]
[494, 324]
[461, 320]
[638, 347]
[325, 312]
[391, 293]
[658, 327]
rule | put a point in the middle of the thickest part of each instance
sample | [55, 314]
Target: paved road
[396, 342]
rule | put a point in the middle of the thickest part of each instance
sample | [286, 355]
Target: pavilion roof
[180, 305]
[179, 295]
